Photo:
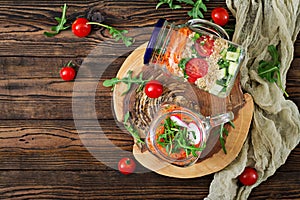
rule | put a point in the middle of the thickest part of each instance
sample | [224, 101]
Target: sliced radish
[178, 121]
[192, 127]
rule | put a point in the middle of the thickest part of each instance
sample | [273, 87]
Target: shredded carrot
[176, 58]
[176, 46]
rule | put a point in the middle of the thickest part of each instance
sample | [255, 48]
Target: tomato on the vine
[248, 177]
[153, 89]
[220, 16]
[126, 166]
[196, 68]
[80, 28]
[204, 45]
[67, 73]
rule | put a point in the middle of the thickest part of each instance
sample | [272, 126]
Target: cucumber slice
[216, 89]
[223, 52]
[232, 68]
[223, 71]
[232, 56]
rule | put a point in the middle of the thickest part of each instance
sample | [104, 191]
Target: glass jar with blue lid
[198, 52]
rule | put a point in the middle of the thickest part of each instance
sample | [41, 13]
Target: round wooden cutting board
[214, 163]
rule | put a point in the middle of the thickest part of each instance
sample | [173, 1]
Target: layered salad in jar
[209, 62]
[177, 136]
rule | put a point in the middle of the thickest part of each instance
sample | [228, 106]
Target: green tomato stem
[99, 24]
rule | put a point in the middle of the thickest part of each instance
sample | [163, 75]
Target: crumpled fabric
[275, 129]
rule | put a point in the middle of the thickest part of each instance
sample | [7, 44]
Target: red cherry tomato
[153, 89]
[220, 16]
[67, 73]
[192, 79]
[80, 28]
[126, 166]
[196, 68]
[249, 176]
[204, 45]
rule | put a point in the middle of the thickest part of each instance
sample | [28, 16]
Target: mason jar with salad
[178, 135]
[196, 52]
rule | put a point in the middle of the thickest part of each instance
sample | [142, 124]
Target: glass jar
[178, 135]
[198, 52]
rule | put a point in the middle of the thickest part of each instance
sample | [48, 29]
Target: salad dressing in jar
[196, 52]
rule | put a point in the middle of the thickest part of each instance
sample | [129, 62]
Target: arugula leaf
[221, 138]
[223, 131]
[182, 63]
[128, 80]
[176, 138]
[116, 34]
[169, 2]
[61, 23]
[195, 13]
[134, 133]
[188, 2]
[270, 70]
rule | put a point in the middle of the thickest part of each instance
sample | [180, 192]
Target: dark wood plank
[97, 185]
[56, 145]
[41, 154]
[293, 81]
[23, 36]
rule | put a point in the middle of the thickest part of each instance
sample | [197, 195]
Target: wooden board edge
[213, 164]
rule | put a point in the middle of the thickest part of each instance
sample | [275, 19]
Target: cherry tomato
[248, 177]
[220, 16]
[204, 45]
[153, 89]
[67, 73]
[196, 68]
[80, 28]
[126, 166]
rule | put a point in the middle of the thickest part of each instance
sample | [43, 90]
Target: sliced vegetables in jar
[209, 62]
[178, 137]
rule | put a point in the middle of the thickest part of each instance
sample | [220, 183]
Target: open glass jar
[178, 135]
[198, 52]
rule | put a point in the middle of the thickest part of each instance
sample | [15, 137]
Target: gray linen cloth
[275, 129]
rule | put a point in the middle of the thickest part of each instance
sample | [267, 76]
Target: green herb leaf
[188, 2]
[223, 131]
[134, 133]
[195, 12]
[61, 23]
[110, 83]
[270, 70]
[231, 124]
[182, 63]
[176, 137]
[128, 80]
[116, 34]
[222, 141]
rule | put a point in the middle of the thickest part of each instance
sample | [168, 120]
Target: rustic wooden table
[41, 154]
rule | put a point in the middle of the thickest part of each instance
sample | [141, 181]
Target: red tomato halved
[204, 45]
[196, 68]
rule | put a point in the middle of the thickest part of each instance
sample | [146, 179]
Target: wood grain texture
[41, 154]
